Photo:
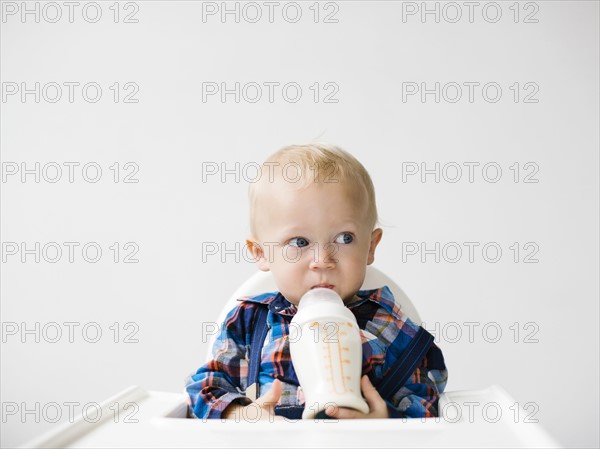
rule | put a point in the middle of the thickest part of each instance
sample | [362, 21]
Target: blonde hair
[313, 163]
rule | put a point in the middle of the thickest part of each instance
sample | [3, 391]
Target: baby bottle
[326, 351]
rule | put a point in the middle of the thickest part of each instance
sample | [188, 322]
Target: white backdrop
[372, 62]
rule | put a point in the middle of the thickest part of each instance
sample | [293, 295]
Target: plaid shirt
[385, 332]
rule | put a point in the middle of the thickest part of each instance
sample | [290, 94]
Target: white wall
[170, 132]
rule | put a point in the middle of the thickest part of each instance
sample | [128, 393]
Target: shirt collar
[278, 304]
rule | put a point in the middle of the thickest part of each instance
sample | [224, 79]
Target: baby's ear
[375, 238]
[257, 254]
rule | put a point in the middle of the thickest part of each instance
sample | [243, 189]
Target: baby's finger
[271, 397]
[343, 413]
[371, 394]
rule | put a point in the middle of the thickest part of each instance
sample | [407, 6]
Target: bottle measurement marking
[335, 351]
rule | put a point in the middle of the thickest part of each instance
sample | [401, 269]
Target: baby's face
[314, 236]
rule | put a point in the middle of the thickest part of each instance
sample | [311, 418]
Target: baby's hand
[269, 400]
[377, 406]
[264, 407]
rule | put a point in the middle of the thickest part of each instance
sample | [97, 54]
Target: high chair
[468, 418]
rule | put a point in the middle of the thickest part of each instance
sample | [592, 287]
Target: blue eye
[302, 242]
[346, 238]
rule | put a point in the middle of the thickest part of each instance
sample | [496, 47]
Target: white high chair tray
[155, 419]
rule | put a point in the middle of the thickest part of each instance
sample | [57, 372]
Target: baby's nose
[323, 257]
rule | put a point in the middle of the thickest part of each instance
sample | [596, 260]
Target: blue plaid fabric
[385, 333]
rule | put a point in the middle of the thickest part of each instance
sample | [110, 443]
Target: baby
[312, 223]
